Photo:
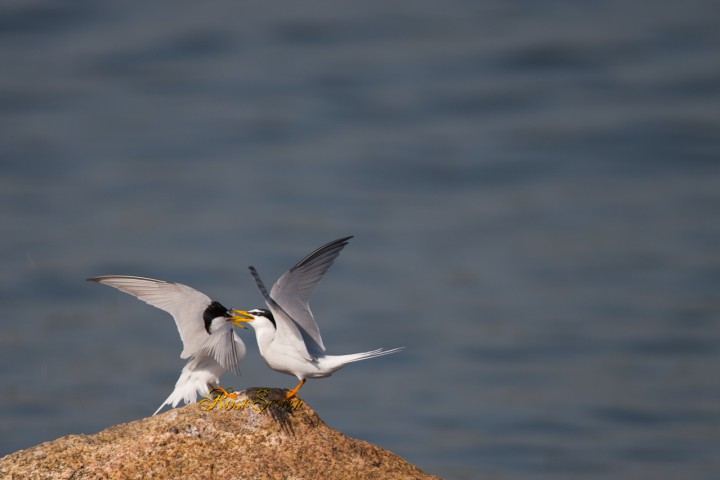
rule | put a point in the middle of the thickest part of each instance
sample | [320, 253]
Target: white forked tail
[334, 362]
[356, 357]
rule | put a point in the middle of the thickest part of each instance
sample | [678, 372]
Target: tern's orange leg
[295, 390]
[227, 394]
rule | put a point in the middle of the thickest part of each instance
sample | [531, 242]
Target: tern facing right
[205, 327]
[288, 337]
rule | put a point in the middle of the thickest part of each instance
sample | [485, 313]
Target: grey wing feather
[286, 331]
[225, 347]
[293, 289]
[184, 303]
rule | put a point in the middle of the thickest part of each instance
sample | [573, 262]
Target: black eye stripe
[265, 313]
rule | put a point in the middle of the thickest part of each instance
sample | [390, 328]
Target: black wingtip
[336, 245]
[259, 282]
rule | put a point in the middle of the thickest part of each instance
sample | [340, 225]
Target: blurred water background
[533, 187]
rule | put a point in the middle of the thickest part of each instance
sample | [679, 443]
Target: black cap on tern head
[213, 311]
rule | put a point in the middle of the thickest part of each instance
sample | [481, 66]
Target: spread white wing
[185, 304]
[290, 296]
[287, 332]
[293, 289]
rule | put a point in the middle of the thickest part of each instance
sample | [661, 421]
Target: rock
[259, 435]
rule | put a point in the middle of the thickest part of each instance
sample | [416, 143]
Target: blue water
[534, 190]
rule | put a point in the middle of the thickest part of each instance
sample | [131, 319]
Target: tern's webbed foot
[229, 394]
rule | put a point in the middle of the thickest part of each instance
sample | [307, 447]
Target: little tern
[288, 337]
[205, 327]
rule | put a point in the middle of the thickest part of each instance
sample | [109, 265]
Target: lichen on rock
[259, 435]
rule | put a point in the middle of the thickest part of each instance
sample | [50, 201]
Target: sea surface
[534, 190]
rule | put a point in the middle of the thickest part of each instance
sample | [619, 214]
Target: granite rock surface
[258, 435]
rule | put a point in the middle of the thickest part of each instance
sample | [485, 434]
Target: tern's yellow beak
[241, 317]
